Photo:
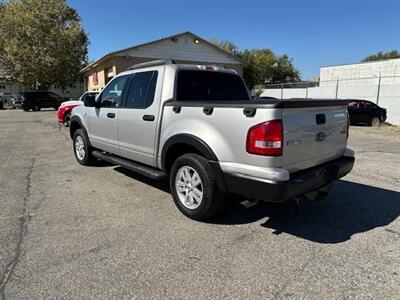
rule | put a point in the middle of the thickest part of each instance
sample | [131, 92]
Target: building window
[95, 78]
[109, 74]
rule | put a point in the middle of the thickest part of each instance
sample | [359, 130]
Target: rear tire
[194, 189]
[375, 121]
[25, 108]
[82, 149]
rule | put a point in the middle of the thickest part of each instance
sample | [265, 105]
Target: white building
[373, 69]
[377, 81]
[184, 47]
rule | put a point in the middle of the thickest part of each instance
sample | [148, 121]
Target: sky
[314, 33]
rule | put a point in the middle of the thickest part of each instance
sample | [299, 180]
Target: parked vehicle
[367, 112]
[198, 126]
[64, 111]
[16, 102]
[37, 100]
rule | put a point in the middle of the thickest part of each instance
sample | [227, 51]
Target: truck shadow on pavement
[159, 184]
[352, 208]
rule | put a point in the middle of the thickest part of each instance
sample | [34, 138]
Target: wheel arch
[76, 123]
[180, 144]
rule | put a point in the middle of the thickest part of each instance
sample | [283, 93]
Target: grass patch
[389, 127]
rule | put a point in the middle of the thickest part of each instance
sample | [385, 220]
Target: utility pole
[337, 86]
[379, 86]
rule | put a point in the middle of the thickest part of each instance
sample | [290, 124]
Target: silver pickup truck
[198, 126]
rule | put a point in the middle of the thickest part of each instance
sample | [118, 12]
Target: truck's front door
[138, 116]
[103, 118]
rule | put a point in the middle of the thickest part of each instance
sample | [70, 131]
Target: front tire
[194, 189]
[82, 149]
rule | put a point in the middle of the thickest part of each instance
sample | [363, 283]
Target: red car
[64, 111]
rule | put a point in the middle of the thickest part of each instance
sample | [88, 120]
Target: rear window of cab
[210, 86]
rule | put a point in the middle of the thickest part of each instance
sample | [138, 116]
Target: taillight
[23, 99]
[266, 139]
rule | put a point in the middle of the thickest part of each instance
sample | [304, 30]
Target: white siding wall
[183, 49]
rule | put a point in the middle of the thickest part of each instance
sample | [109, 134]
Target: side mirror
[89, 101]
[97, 103]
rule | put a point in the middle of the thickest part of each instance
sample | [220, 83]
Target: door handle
[148, 118]
[111, 115]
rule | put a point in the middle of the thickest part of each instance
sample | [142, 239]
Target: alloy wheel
[189, 187]
[79, 148]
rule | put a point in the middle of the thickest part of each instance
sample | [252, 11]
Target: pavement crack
[25, 217]
[296, 273]
[393, 231]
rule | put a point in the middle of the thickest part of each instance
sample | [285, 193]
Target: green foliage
[383, 55]
[263, 66]
[228, 46]
[42, 43]
[257, 90]
[266, 67]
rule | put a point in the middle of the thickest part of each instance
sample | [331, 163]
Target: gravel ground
[74, 232]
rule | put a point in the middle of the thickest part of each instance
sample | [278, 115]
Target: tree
[383, 55]
[42, 43]
[226, 45]
[263, 66]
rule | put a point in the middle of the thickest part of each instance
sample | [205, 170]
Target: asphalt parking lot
[74, 232]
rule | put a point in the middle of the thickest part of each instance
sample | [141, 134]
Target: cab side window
[142, 90]
[111, 96]
[366, 104]
[352, 104]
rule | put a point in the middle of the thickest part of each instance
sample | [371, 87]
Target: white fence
[384, 91]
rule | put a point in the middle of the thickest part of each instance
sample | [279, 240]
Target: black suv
[363, 111]
[37, 100]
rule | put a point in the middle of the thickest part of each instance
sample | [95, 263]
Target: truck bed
[225, 125]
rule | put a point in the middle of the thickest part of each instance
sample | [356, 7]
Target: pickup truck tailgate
[313, 135]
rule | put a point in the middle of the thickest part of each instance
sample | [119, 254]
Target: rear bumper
[302, 182]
